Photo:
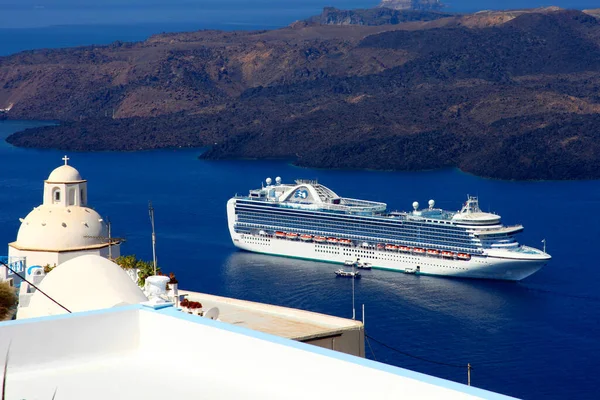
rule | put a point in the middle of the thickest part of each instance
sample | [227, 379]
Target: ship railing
[506, 229]
[307, 181]
[441, 216]
[528, 250]
[351, 206]
[345, 208]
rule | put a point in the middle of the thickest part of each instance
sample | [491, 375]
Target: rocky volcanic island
[511, 95]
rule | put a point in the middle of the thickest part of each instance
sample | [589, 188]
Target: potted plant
[185, 303]
[173, 282]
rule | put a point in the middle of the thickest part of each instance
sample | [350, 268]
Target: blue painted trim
[32, 267]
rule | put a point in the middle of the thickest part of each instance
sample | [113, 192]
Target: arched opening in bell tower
[71, 197]
[56, 195]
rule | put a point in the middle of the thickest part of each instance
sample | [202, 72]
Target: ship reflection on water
[447, 319]
[313, 285]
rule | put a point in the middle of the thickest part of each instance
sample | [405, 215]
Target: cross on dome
[65, 159]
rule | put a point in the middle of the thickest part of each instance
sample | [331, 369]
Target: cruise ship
[308, 220]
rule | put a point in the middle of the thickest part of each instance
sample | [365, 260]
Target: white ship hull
[480, 267]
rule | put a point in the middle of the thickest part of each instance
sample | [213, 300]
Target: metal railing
[350, 206]
[16, 264]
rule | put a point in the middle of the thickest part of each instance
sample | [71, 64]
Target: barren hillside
[510, 95]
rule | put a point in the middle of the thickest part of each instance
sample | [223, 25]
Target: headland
[509, 95]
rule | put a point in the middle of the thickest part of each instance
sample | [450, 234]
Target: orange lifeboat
[391, 247]
[418, 250]
[380, 246]
[448, 254]
[291, 235]
[332, 240]
[280, 234]
[404, 248]
[320, 239]
[463, 256]
[306, 237]
[433, 252]
[345, 241]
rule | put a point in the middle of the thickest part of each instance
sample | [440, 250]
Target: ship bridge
[471, 214]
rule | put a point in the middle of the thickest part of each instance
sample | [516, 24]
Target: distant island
[509, 95]
[422, 5]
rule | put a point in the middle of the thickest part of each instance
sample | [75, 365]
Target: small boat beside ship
[347, 274]
[363, 265]
[358, 264]
[412, 270]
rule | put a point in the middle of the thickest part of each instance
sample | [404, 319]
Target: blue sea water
[533, 339]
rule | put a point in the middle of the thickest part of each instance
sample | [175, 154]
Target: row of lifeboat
[418, 250]
[380, 246]
[431, 252]
[308, 238]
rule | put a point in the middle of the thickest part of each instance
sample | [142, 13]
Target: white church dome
[63, 222]
[64, 174]
[85, 283]
[55, 228]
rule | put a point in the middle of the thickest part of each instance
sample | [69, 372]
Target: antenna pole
[109, 240]
[469, 374]
[353, 309]
[363, 314]
[151, 211]
[544, 241]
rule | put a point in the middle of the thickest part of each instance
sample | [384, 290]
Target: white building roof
[88, 282]
[64, 174]
[56, 228]
[135, 352]
[280, 321]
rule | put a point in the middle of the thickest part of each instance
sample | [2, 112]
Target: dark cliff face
[515, 100]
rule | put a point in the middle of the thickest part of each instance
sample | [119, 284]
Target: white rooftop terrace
[137, 352]
[322, 330]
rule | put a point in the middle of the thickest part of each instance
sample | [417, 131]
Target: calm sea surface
[534, 339]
